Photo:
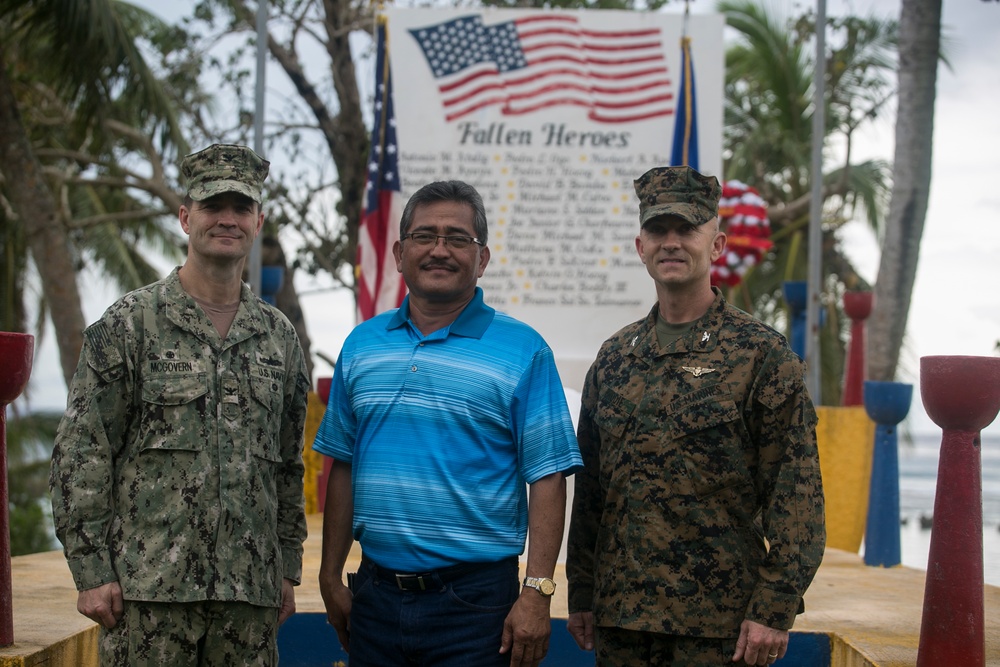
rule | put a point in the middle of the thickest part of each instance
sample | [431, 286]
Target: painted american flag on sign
[549, 60]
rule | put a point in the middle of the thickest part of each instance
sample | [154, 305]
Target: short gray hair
[456, 191]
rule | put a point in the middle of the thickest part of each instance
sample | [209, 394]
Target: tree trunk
[37, 210]
[919, 47]
[287, 299]
[343, 128]
[345, 133]
[349, 142]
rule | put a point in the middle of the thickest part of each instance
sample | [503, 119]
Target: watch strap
[544, 585]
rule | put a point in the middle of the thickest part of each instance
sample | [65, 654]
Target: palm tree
[919, 47]
[83, 52]
[768, 140]
[13, 269]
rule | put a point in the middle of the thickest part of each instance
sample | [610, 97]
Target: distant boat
[926, 521]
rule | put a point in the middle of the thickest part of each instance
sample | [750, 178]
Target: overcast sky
[956, 304]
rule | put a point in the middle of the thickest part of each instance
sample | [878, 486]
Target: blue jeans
[454, 623]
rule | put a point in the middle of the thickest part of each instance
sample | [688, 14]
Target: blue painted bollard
[796, 292]
[887, 404]
[271, 280]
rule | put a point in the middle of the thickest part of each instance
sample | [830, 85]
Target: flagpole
[381, 21]
[687, 15]
[254, 260]
[815, 273]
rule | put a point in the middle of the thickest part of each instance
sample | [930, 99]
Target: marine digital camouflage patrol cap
[679, 191]
[225, 168]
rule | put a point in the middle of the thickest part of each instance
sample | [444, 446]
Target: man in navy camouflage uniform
[177, 473]
[698, 522]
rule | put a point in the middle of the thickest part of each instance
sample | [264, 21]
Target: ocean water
[918, 469]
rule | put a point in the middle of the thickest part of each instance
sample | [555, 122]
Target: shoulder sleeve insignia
[104, 355]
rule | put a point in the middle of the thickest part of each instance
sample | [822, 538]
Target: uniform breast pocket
[174, 410]
[266, 392]
[267, 403]
[712, 436]
[613, 413]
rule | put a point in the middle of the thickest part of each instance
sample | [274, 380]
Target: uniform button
[413, 368]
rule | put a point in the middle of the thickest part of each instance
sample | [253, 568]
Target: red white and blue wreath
[743, 217]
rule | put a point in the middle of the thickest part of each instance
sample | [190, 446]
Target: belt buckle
[410, 582]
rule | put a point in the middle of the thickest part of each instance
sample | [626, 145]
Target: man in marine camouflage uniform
[177, 473]
[697, 524]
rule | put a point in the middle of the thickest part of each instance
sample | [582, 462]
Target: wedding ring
[772, 655]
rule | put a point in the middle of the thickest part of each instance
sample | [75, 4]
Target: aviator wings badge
[698, 371]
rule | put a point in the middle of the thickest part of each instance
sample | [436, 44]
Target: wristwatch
[543, 585]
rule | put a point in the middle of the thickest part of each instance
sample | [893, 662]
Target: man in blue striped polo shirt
[439, 414]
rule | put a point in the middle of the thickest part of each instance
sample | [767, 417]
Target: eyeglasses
[456, 242]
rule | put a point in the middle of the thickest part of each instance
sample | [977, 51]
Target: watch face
[546, 586]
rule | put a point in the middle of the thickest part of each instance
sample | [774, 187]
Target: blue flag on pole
[685, 148]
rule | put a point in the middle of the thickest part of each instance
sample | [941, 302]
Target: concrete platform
[47, 628]
[871, 615]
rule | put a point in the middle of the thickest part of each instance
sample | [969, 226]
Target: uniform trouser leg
[195, 634]
[617, 647]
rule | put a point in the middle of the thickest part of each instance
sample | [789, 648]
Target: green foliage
[768, 144]
[101, 124]
[767, 105]
[86, 49]
[28, 534]
[29, 448]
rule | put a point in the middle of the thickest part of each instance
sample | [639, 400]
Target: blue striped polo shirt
[442, 432]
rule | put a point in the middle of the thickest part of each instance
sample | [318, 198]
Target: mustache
[448, 266]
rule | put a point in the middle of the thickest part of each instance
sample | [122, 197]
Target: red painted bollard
[962, 396]
[16, 352]
[857, 306]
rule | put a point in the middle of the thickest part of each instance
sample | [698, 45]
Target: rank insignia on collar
[698, 371]
[705, 336]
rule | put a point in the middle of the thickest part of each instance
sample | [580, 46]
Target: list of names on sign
[562, 223]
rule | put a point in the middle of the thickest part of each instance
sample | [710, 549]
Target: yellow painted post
[312, 460]
[846, 439]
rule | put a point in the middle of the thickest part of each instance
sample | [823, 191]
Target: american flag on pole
[541, 61]
[380, 285]
[685, 148]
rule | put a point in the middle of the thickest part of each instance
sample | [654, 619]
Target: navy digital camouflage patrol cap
[679, 191]
[225, 168]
